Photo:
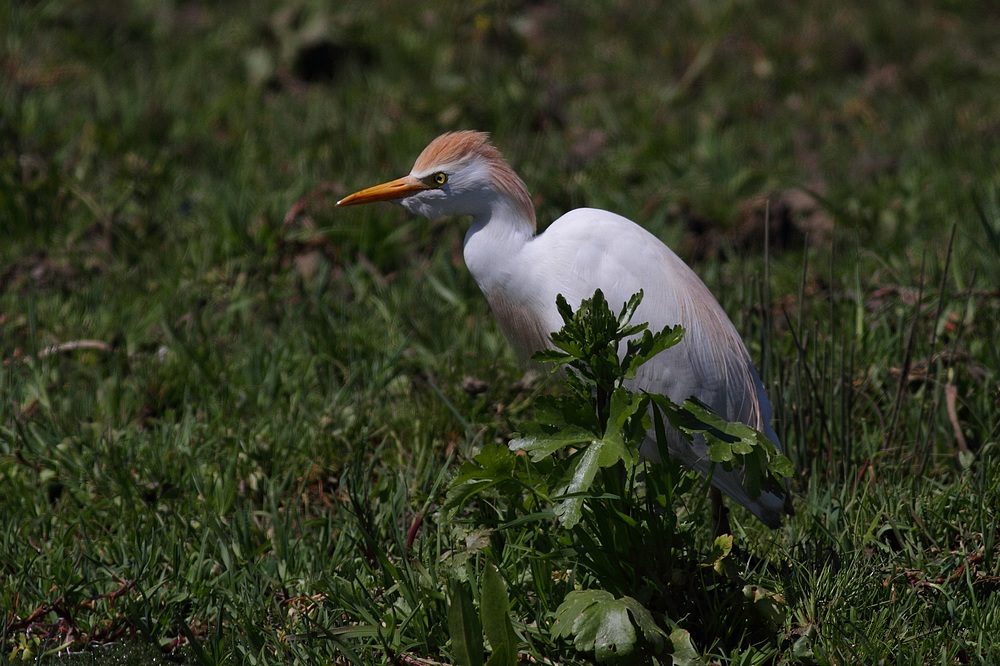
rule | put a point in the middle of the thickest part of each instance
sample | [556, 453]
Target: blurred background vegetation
[188, 375]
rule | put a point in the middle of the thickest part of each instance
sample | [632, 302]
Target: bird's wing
[588, 249]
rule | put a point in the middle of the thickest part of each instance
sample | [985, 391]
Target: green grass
[249, 468]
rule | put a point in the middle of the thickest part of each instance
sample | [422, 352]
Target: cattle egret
[521, 273]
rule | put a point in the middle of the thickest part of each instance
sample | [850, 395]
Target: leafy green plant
[624, 520]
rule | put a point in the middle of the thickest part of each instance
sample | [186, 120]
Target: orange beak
[393, 190]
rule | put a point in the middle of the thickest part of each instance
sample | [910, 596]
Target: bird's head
[458, 173]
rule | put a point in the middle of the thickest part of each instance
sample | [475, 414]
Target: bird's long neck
[497, 256]
[495, 240]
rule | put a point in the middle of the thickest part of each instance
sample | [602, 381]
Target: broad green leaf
[494, 460]
[553, 413]
[492, 466]
[770, 605]
[720, 452]
[803, 647]
[721, 547]
[731, 444]
[683, 652]
[613, 449]
[464, 626]
[651, 632]
[539, 447]
[583, 468]
[781, 466]
[495, 608]
[572, 349]
[552, 356]
[706, 421]
[633, 331]
[649, 346]
[599, 623]
[624, 405]
[571, 611]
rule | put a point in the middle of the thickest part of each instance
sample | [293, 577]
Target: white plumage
[521, 273]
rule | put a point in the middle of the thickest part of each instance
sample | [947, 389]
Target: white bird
[521, 273]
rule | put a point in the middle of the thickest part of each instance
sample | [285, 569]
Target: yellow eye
[440, 178]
